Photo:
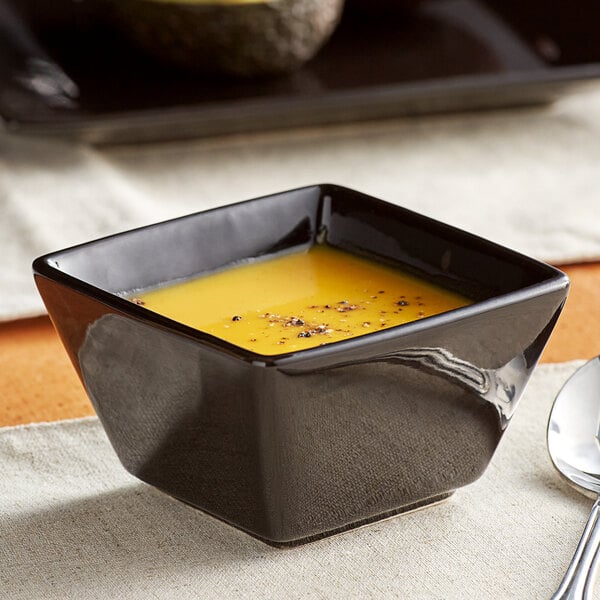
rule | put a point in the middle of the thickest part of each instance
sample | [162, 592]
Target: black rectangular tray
[81, 80]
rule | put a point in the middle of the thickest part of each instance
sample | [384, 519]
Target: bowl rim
[46, 266]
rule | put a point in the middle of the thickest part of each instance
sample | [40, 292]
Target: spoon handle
[579, 578]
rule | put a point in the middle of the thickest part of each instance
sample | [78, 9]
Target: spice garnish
[295, 321]
[347, 307]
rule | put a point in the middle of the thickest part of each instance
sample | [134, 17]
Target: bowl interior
[213, 240]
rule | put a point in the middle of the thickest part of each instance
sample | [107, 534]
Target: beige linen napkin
[526, 178]
[74, 524]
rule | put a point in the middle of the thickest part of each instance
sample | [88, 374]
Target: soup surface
[300, 300]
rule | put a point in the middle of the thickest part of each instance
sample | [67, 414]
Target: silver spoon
[574, 447]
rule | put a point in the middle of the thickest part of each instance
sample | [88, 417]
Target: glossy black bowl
[293, 447]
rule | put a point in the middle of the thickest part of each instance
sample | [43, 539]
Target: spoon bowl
[574, 448]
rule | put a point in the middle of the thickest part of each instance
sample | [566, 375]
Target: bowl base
[339, 530]
[390, 514]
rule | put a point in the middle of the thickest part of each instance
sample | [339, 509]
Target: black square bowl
[293, 447]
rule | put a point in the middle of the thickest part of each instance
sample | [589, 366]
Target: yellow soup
[299, 301]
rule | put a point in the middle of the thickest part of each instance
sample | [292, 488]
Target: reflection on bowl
[296, 446]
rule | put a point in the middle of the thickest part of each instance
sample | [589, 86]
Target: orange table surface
[38, 383]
